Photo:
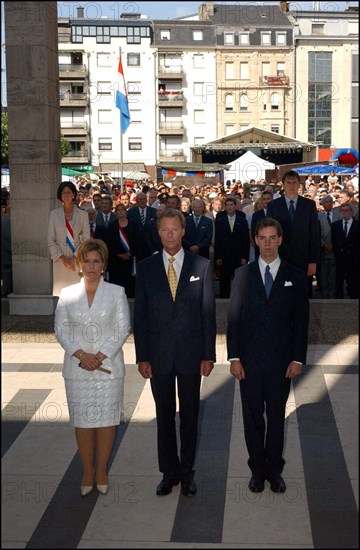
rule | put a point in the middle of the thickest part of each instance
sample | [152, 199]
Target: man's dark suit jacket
[100, 219]
[231, 246]
[268, 333]
[200, 236]
[100, 233]
[153, 238]
[259, 215]
[346, 250]
[301, 239]
[176, 334]
[140, 231]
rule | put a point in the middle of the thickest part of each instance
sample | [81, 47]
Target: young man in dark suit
[267, 340]
[140, 216]
[175, 305]
[198, 230]
[345, 243]
[301, 231]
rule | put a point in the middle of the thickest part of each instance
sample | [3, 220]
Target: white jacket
[103, 327]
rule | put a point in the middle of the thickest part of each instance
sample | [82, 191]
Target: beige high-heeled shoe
[103, 489]
[86, 489]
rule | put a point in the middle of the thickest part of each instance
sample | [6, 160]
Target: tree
[65, 146]
[4, 140]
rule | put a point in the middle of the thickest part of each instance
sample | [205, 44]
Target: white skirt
[95, 403]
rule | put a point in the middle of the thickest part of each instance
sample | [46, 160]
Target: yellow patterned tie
[172, 277]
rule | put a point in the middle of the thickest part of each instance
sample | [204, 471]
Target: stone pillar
[32, 68]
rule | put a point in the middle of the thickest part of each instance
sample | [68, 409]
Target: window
[275, 101]
[103, 60]
[103, 88]
[266, 38]
[133, 89]
[133, 59]
[105, 116]
[275, 128]
[280, 68]
[228, 38]
[229, 102]
[244, 103]
[135, 144]
[133, 35]
[165, 34]
[135, 116]
[244, 38]
[105, 144]
[198, 88]
[317, 28]
[199, 140]
[244, 127]
[229, 129]
[244, 70]
[102, 35]
[229, 71]
[281, 38]
[265, 69]
[77, 35]
[199, 116]
[264, 102]
[198, 35]
[199, 61]
[320, 97]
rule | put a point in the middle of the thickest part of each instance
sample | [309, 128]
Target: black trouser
[163, 389]
[264, 392]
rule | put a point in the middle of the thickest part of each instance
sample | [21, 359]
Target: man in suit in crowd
[106, 215]
[266, 197]
[231, 244]
[140, 216]
[326, 273]
[299, 221]
[198, 230]
[267, 342]
[345, 243]
[175, 305]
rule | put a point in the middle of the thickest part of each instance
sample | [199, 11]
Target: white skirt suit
[57, 246]
[95, 399]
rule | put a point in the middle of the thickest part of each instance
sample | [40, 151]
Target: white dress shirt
[179, 260]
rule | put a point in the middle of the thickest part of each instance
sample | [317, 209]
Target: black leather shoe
[277, 484]
[165, 486]
[257, 483]
[188, 487]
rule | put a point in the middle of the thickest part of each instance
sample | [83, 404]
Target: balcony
[169, 73]
[73, 128]
[171, 154]
[73, 100]
[171, 128]
[280, 80]
[171, 99]
[72, 70]
[76, 156]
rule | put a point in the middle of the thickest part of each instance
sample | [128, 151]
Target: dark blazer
[259, 215]
[301, 239]
[200, 236]
[346, 250]
[153, 238]
[268, 333]
[101, 232]
[176, 334]
[141, 246]
[231, 246]
[100, 219]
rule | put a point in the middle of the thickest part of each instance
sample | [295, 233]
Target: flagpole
[121, 150]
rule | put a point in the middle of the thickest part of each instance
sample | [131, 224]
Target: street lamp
[99, 161]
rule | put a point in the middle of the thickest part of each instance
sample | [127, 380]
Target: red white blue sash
[124, 239]
[70, 241]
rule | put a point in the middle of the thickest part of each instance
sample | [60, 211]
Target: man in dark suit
[198, 230]
[140, 216]
[231, 245]
[266, 197]
[96, 231]
[345, 243]
[267, 342]
[299, 221]
[177, 310]
[106, 215]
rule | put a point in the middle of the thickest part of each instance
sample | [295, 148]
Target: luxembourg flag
[122, 100]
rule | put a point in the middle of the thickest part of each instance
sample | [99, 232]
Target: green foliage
[65, 146]
[4, 140]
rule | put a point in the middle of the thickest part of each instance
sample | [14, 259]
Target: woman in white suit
[92, 323]
[68, 227]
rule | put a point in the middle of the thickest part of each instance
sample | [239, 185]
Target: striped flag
[122, 100]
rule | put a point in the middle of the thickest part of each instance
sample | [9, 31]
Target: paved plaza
[41, 471]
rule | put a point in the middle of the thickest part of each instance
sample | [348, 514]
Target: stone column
[34, 148]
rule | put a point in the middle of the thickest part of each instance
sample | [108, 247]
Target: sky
[169, 9]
